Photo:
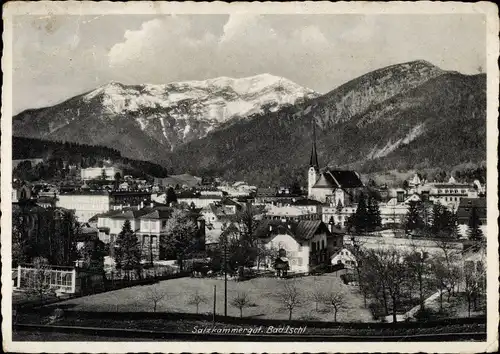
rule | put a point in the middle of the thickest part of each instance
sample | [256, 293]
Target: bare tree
[474, 282]
[290, 296]
[39, 278]
[396, 276]
[440, 278]
[317, 295]
[336, 300]
[196, 300]
[241, 301]
[156, 295]
[418, 270]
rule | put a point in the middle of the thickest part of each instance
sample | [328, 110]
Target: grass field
[260, 291]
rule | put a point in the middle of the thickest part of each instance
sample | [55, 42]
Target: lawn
[260, 291]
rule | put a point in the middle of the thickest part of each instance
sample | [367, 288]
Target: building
[275, 196]
[331, 186]
[110, 224]
[304, 244]
[345, 257]
[179, 181]
[86, 204]
[149, 224]
[291, 213]
[464, 213]
[153, 228]
[47, 202]
[449, 194]
[99, 172]
[238, 189]
[197, 199]
[119, 199]
[216, 217]
[394, 212]
[337, 215]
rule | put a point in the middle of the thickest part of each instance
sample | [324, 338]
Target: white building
[85, 204]
[97, 172]
[199, 201]
[344, 256]
[292, 212]
[305, 243]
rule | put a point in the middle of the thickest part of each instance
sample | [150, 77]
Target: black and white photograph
[249, 177]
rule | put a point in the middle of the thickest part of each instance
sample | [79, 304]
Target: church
[334, 187]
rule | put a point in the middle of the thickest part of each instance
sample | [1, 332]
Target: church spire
[313, 162]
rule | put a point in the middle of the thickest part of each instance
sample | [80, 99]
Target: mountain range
[409, 115]
[144, 121]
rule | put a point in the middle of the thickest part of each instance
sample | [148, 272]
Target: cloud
[56, 57]
[240, 25]
[311, 35]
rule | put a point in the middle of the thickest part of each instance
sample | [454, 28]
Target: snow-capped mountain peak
[174, 113]
[223, 98]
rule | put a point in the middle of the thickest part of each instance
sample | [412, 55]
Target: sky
[57, 57]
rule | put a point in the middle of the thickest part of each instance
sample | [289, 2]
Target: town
[241, 173]
[395, 253]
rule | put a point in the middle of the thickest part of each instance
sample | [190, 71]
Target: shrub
[426, 314]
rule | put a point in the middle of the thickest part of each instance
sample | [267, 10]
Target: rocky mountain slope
[405, 116]
[411, 115]
[144, 121]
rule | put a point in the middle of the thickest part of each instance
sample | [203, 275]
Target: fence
[146, 272]
[63, 280]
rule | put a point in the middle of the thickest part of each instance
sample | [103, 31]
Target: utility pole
[225, 278]
[215, 298]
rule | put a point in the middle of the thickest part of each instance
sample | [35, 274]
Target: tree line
[57, 156]
[394, 280]
[436, 220]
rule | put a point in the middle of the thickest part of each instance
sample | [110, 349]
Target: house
[304, 244]
[153, 228]
[464, 213]
[215, 217]
[179, 181]
[110, 224]
[331, 186]
[99, 172]
[345, 257]
[47, 202]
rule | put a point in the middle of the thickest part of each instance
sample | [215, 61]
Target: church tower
[313, 172]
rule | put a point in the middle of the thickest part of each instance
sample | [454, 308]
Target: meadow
[261, 292]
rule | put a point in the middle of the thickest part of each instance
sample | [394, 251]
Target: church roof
[338, 179]
[313, 162]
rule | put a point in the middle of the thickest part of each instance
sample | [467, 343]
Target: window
[299, 261]
[323, 244]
